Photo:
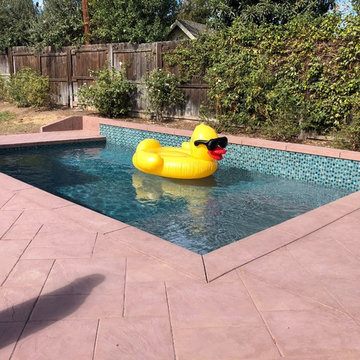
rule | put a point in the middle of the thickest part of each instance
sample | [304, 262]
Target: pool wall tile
[323, 170]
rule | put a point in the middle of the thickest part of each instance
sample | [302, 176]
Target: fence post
[10, 62]
[110, 56]
[69, 76]
[158, 62]
[38, 58]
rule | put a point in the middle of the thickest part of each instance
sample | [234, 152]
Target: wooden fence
[70, 67]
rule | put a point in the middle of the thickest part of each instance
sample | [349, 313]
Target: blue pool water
[200, 215]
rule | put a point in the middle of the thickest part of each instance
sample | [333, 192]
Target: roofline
[183, 28]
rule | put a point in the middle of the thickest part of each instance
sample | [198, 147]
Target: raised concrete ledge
[69, 123]
[49, 138]
[92, 123]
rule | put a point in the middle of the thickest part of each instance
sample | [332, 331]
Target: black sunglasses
[212, 144]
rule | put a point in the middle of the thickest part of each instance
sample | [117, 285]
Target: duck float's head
[205, 143]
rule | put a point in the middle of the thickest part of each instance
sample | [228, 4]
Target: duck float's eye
[212, 144]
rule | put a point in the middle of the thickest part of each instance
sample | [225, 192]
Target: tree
[133, 21]
[280, 12]
[355, 5]
[223, 12]
[195, 10]
[59, 24]
[17, 18]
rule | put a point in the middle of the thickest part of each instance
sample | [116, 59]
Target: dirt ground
[27, 120]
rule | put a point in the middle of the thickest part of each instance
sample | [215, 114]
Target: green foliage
[163, 93]
[303, 76]
[195, 10]
[29, 89]
[348, 137]
[224, 12]
[355, 4]
[111, 94]
[2, 89]
[17, 18]
[6, 116]
[282, 117]
[59, 24]
[133, 21]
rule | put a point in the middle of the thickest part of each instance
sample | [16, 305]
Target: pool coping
[201, 267]
[58, 137]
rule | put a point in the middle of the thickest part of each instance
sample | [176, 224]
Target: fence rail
[69, 68]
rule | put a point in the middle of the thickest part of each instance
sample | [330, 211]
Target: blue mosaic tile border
[333, 172]
[131, 137]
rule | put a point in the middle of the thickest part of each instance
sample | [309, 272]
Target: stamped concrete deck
[77, 285]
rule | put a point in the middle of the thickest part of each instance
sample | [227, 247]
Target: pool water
[200, 215]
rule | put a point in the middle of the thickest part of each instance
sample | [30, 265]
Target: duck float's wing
[146, 157]
[148, 144]
[185, 145]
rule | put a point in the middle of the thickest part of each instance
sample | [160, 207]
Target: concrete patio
[75, 284]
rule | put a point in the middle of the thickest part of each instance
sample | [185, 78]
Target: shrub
[2, 89]
[348, 137]
[163, 93]
[111, 94]
[27, 88]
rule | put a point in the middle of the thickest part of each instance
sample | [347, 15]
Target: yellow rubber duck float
[194, 160]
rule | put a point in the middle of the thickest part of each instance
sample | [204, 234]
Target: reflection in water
[196, 193]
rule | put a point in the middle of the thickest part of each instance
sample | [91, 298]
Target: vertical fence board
[4, 66]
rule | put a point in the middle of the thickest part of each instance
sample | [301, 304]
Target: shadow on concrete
[12, 317]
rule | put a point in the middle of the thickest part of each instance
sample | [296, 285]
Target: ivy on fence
[281, 80]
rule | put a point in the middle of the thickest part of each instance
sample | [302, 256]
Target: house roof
[192, 29]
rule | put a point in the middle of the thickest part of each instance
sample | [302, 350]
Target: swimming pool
[201, 215]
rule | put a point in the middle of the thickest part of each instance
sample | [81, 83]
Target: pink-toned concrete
[55, 137]
[76, 285]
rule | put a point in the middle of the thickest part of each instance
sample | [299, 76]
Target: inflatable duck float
[194, 160]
